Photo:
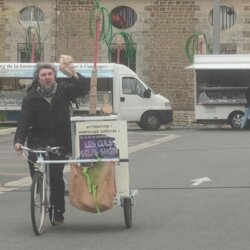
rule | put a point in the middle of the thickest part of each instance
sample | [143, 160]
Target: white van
[130, 97]
[220, 85]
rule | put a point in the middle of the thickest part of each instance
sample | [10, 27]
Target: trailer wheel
[235, 119]
[127, 209]
[150, 121]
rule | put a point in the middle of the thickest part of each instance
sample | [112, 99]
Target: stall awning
[235, 61]
[26, 70]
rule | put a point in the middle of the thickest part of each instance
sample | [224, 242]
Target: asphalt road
[193, 184]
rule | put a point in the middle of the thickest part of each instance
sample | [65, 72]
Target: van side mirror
[147, 93]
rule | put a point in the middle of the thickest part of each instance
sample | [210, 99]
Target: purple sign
[97, 146]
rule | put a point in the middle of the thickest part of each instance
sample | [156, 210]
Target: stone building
[159, 29]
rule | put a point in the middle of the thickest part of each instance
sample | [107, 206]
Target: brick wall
[2, 29]
[246, 30]
[183, 118]
[170, 23]
[73, 35]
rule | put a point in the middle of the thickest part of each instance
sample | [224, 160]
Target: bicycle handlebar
[43, 150]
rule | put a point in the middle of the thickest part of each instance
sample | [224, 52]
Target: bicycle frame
[43, 168]
[41, 190]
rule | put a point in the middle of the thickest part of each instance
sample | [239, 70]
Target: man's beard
[47, 91]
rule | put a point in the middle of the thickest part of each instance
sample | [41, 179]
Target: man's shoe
[58, 217]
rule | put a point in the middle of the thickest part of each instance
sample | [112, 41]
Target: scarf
[47, 92]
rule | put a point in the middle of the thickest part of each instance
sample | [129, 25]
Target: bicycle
[40, 189]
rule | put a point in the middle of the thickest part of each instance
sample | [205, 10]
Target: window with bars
[31, 13]
[24, 52]
[123, 17]
[123, 59]
[227, 17]
[31, 16]
[225, 48]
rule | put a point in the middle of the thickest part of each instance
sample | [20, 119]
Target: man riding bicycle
[45, 120]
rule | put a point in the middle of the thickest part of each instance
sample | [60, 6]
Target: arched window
[123, 17]
[227, 17]
[31, 15]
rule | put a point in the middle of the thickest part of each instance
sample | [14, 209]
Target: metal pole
[216, 27]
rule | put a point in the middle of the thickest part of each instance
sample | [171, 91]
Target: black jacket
[49, 124]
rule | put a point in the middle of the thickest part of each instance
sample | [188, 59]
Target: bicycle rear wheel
[37, 204]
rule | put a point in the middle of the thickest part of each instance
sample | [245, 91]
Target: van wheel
[140, 125]
[235, 119]
[150, 121]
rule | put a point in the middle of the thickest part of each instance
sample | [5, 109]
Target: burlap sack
[102, 175]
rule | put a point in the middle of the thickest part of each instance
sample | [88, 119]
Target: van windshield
[147, 86]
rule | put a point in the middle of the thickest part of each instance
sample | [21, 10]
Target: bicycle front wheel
[37, 203]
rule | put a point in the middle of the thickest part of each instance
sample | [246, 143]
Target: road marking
[13, 174]
[24, 182]
[13, 185]
[147, 133]
[152, 143]
[197, 182]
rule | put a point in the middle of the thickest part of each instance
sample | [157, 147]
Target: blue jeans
[245, 117]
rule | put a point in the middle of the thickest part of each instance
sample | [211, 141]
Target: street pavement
[193, 187]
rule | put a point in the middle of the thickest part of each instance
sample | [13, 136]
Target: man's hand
[18, 147]
[66, 66]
